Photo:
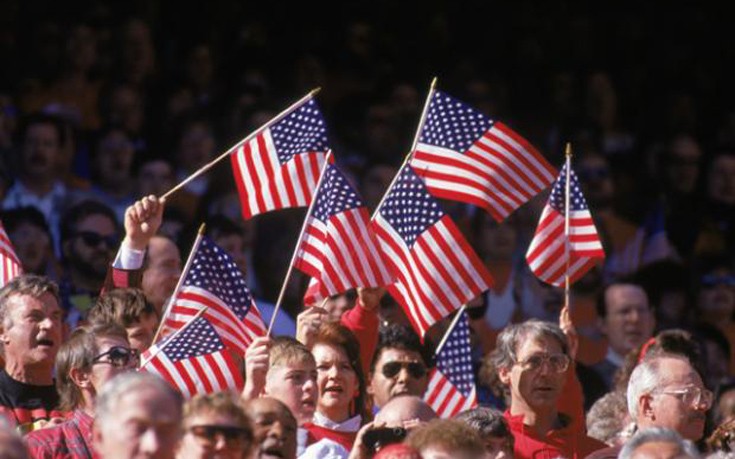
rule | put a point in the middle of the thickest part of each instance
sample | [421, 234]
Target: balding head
[404, 409]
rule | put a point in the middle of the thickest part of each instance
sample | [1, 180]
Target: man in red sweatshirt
[532, 359]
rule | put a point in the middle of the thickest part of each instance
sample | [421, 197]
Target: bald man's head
[405, 409]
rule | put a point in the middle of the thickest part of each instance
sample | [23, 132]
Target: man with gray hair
[532, 359]
[30, 336]
[658, 443]
[666, 391]
[137, 415]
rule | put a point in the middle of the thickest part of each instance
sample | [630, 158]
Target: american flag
[436, 269]
[546, 254]
[452, 383]
[213, 280]
[10, 266]
[339, 249]
[194, 360]
[465, 156]
[279, 167]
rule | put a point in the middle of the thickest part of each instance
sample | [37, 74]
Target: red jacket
[569, 441]
[364, 325]
[69, 440]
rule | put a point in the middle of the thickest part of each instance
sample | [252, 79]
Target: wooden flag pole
[174, 335]
[422, 120]
[298, 242]
[441, 344]
[209, 165]
[568, 158]
[172, 298]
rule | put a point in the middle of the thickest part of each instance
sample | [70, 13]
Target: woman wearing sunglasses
[92, 356]
[341, 407]
[215, 426]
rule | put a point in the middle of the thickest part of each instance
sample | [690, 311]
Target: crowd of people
[103, 111]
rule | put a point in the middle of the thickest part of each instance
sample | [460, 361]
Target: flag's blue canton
[335, 195]
[452, 124]
[576, 200]
[196, 339]
[409, 208]
[214, 270]
[455, 358]
[301, 131]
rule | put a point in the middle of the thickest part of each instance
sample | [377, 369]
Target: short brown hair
[27, 284]
[286, 350]
[124, 306]
[219, 402]
[79, 352]
[448, 434]
[337, 335]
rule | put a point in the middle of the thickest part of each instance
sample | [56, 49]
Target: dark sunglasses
[118, 356]
[415, 369]
[93, 239]
[232, 435]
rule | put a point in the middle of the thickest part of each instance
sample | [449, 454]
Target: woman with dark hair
[341, 407]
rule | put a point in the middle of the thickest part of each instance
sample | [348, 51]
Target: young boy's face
[140, 333]
[294, 384]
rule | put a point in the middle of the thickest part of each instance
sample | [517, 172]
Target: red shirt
[69, 440]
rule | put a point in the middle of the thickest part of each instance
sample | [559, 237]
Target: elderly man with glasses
[532, 359]
[92, 356]
[666, 391]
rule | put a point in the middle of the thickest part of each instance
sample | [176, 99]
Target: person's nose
[149, 441]
[275, 430]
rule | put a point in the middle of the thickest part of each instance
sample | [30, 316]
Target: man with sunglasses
[92, 356]
[398, 367]
[89, 237]
[532, 359]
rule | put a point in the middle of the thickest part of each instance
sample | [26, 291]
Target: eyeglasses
[118, 356]
[233, 436]
[557, 362]
[93, 239]
[693, 396]
[415, 369]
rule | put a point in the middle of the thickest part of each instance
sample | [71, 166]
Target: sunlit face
[275, 429]
[336, 380]
[535, 389]
[383, 385]
[146, 425]
[201, 440]
[32, 330]
[103, 369]
[294, 384]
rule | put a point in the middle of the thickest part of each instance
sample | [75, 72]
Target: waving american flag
[279, 167]
[546, 255]
[10, 266]
[452, 382]
[213, 280]
[465, 156]
[194, 360]
[436, 269]
[339, 249]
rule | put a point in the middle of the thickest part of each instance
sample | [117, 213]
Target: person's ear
[80, 378]
[504, 375]
[645, 406]
[369, 385]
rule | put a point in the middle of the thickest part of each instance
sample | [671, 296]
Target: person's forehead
[162, 248]
[148, 402]
[620, 295]
[96, 222]
[328, 351]
[41, 129]
[678, 371]
[657, 450]
[107, 342]
[392, 354]
[270, 409]
[24, 302]
[537, 344]
[294, 365]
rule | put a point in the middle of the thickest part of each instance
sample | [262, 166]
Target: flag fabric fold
[452, 382]
[436, 270]
[279, 167]
[465, 156]
[214, 281]
[338, 248]
[546, 255]
[194, 360]
[10, 265]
